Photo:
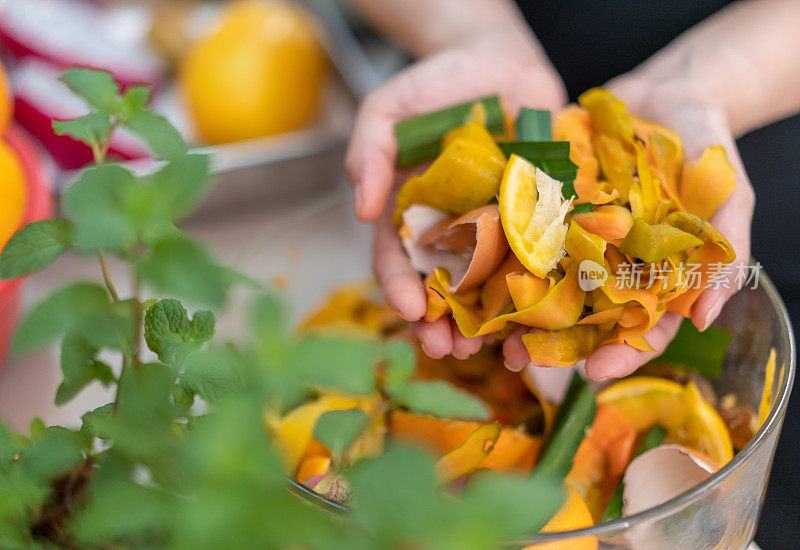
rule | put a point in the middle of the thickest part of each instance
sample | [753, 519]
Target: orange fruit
[688, 418]
[13, 193]
[514, 450]
[6, 101]
[260, 73]
[532, 214]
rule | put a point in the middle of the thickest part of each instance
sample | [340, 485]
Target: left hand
[701, 122]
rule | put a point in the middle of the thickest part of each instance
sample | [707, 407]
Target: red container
[39, 207]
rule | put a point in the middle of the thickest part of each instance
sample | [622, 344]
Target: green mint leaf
[170, 333]
[36, 428]
[337, 430]
[401, 359]
[212, 374]
[182, 396]
[8, 447]
[229, 460]
[143, 428]
[179, 266]
[119, 507]
[171, 192]
[35, 246]
[511, 508]
[81, 308]
[440, 399]
[79, 367]
[271, 347]
[157, 231]
[161, 137]
[135, 98]
[201, 329]
[399, 484]
[98, 204]
[52, 453]
[181, 184]
[345, 365]
[92, 421]
[92, 129]
[269, 315]
[98, 88]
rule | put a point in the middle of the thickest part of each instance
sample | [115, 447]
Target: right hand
[508, 64]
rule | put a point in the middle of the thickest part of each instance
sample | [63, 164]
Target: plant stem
[137, 321]
[107, 276]
[100, 150]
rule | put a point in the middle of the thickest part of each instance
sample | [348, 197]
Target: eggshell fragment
[661, 474]
[471, 247]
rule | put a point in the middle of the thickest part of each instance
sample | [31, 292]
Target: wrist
[529, 63]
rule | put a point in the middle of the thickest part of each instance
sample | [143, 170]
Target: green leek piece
[419, 138]
[552, 157]
[584, 208]
[702, 352]
[574, 416]
[653, 439]
[533, 125]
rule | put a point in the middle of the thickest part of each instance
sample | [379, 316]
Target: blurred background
[275, 109]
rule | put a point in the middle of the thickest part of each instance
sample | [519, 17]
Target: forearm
[744, 58]
[427, 26]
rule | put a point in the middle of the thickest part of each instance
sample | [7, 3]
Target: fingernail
[460, 357]
[513, 368]
[424, 349]
[713, 312]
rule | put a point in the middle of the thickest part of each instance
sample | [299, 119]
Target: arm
[424, 27]
[744, 59]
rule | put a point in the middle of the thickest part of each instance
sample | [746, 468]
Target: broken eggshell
[661, 474]
[471, 248]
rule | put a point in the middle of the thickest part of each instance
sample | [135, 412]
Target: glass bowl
[721, 512]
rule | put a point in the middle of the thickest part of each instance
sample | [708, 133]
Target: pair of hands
[520, 74]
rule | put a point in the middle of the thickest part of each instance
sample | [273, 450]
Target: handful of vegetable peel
[603, 231]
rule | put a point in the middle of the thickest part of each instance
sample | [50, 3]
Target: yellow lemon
[688, 418]
[532, 214]
[261, 72]
[13, 193]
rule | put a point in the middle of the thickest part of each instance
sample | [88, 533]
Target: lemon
[532, 214]
[260, 73]
[688, 418]
[13, 193]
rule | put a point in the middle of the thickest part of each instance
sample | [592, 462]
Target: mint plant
[182, 458]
